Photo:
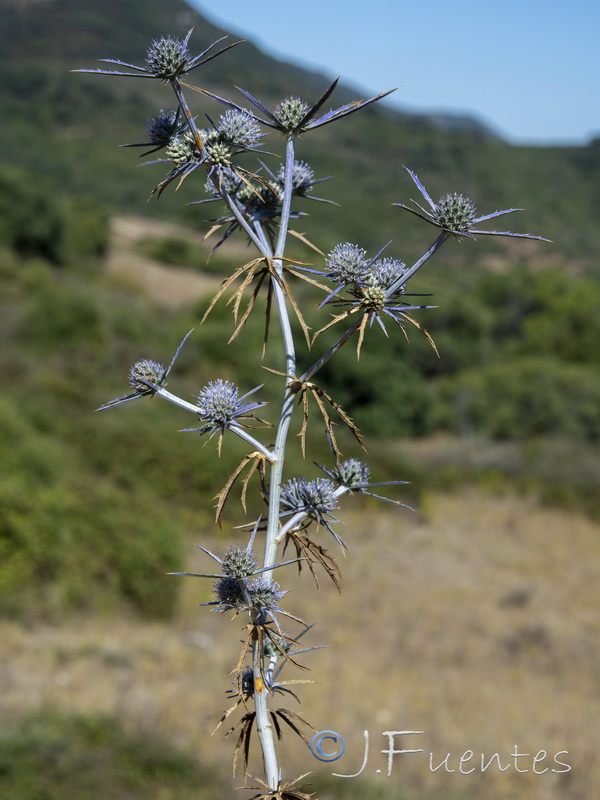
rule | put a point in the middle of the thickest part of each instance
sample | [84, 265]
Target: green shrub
[70, 540]
[86, 229]
[384, 402]
[60, 314]
[37, 224]
[50, 756]
[173, 250]
[525, 397]
[30, 221]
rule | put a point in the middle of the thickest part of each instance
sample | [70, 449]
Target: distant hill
[518, 351]
[65, 128]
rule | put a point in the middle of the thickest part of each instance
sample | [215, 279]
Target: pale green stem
[443, 237]
[259, 242]
[175, 85]
[289, 398]
[332, 351]
[263, 719]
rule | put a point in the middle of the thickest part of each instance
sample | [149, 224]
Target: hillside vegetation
[517, 337]
[65, 131]
[96, 508]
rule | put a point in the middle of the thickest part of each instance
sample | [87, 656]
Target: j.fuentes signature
[328, 746]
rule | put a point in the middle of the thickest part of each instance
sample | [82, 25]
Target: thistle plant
[358, 288]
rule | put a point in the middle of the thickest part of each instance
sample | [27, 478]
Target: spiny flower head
[372, 289]
[355, 476]
[294, 116]
[217, 150]
[311, 501]
[168, 57]
[181, 151]
[353, 473]
[258, 594]
[347, 264]
[146, 370]
[455, 212]
[220, 406]
[372, 298]
[239, 129]
[218, 402]
[290, 112]
[229, 594]
[316, 497]
[238, 562]
[235, 587]
[264, 594]
[162, 128]
[218, 153]
[385, 272]
[161, 131]
[303, 177]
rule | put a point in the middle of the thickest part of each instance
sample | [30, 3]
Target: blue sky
[529, 69]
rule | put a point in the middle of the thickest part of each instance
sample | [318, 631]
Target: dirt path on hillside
[168, 285]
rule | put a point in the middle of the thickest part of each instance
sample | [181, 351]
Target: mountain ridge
[66, 129]
[76, 42]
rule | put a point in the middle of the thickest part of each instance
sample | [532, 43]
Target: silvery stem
[403, 279]
[263, 719]
[187, 113]
[243, 434]
[289, 397]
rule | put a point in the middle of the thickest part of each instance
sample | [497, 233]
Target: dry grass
[475, 622]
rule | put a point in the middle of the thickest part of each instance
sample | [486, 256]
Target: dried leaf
[306, 241]
[423, 331]
[343, 416]
[226, 283]
[361, 334]
[336, 318]
[258, 462]
[291, 718]
[313, 553]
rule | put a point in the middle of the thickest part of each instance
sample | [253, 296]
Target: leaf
[425, 333]
[314, 553]
[257, 460]
[306, 241]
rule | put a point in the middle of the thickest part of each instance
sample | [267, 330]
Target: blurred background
[474, 619]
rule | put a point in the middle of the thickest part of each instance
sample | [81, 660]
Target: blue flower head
[146, 378]
[166, 59]
[455, 214]
[354, 475]
[294, 115]
[312, 501]
[220, 405]
[346, 264]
